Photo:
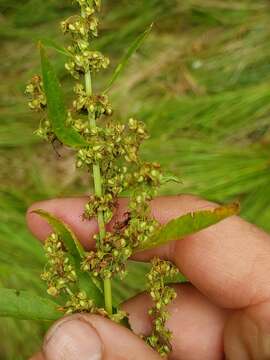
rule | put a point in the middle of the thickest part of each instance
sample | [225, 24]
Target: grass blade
[25, 305]
[131, 50]
[54, 45]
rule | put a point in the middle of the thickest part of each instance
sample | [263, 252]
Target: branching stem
[99, 192]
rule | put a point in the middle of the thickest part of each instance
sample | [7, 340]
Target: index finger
[228, 262]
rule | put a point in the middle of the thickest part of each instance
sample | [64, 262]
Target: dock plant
[109, 151]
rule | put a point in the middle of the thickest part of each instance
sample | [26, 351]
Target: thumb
[92, 337]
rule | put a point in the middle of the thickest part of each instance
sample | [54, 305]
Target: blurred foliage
[202, 84]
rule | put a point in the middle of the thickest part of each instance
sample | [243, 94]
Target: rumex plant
[108, 150]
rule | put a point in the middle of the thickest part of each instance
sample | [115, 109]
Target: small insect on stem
[120, 225]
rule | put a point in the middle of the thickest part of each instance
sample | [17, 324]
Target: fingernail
[73, 339]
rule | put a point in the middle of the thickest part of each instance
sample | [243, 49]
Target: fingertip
[38, 356]
[69, 210]
[38, 226]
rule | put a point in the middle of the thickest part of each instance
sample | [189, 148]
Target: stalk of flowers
[109, 150]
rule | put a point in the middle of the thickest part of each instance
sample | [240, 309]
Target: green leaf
[72, 244]
[131, 50]
[188, 224]
[25, 305]
[56, 106]
[76, 252]
[49, 43]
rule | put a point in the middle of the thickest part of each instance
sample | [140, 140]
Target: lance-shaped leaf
[56, 107]
[76, 253]
[131, 50]
[25, 305]
[188, 224]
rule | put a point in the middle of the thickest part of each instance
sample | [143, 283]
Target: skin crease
[223, 314]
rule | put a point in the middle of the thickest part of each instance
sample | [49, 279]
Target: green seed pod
[53, 291]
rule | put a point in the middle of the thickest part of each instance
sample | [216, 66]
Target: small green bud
[69, 312]
[115, 253]
[127, 252]
[60, 283]
[92, 108]
[79, 164]
[52, 291]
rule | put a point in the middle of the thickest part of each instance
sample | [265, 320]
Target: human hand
[223, 313]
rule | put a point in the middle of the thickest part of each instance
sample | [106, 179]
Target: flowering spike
[162, 295]
[110, 150]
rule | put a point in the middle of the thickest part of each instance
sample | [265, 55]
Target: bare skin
[224, 313]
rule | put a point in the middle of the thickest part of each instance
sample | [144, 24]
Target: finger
[38, 356]
[71, 210]
[247, 334]
[196, 324]
[91, 337]
[228, 262]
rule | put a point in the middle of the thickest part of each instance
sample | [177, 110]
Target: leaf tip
[229, 210]
[235, 207]
[41, 47]
[37, 212]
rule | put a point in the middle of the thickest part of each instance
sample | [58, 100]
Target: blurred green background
[201, 82]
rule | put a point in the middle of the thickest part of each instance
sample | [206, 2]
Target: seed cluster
[59, 272]
[93, 103]
[34, 90]
[162, 296]
[83, 28]
[38, 103]
[79, 303]
[61, 278]
[141, 179]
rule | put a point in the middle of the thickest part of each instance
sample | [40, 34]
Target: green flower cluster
[38, 103]
[83, 28]
[162, 296]
[78, 303]
[111, 259]
[34, 90]
[141, 180]
[59, 273]
[95, 103]
[61, 278]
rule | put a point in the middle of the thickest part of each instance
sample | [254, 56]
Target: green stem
[99, 192]
[108, 295]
